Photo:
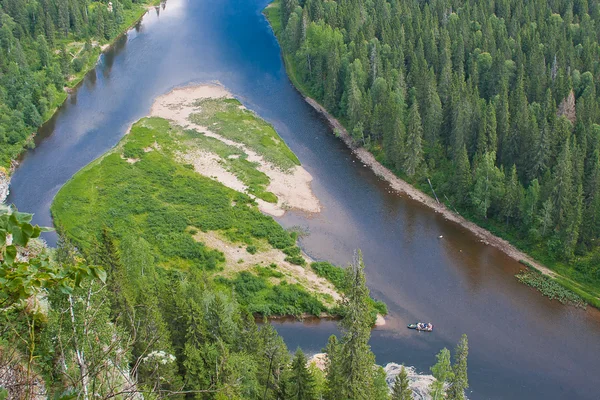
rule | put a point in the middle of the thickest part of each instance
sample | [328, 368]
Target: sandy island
[292, 188]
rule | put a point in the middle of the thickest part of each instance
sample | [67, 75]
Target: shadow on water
[521, 344]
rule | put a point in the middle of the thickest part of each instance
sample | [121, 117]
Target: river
[522, 346]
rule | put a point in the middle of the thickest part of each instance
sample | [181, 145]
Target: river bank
[396, 183]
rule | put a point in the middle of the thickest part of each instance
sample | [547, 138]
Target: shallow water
[521, 344]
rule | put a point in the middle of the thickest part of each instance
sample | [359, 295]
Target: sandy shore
[292, 188]
[405, 188]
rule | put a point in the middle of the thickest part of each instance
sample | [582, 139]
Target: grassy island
[191, 188]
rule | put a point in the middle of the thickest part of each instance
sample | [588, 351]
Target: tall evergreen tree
[413, 151]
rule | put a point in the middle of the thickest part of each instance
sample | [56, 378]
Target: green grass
[263, 297]
[228, 119]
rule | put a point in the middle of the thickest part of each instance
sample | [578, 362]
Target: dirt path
[405, 188]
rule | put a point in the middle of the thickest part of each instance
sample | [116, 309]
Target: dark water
[521, 345]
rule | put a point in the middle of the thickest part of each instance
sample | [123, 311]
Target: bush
[78, 65]
[251, 249]
[332, 273]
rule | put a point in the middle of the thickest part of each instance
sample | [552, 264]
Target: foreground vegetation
[46, 45]
[494, 103]
[118, 325]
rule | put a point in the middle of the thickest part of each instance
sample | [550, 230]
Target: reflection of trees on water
[90, 79]
[110, 56]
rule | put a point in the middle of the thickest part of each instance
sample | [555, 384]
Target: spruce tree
[442, 372]
[458, 380]
[401, 389]
[301, 382]
[351, 374]
[413, 152]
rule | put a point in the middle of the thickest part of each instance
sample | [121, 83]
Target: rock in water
[419, 384]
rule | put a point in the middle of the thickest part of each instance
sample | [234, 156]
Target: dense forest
[44, 46]
[494, 101]
[112, 324]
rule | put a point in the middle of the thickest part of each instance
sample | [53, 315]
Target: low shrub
[550, 288]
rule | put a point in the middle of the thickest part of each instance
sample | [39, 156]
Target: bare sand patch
[130, 160]
[238, 259]
[292, 187]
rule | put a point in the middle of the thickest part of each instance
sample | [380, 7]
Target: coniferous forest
[494, 101]
[46, 45]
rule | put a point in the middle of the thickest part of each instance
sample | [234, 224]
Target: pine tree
[513, 195]
[462, 180]
[401, 389]
[301, 383]
[488, 184]
[562, 179]
[442, 372]
[351, 364]
[413, 153]
[458, 380]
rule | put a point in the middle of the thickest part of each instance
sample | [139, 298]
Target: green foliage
[459, 381]
[158, 199]
[350, 370]
[21, 278]
[333, 274]
[260, 296]
[301, 384]
[401, 390]
[550, 288]
[442, 371]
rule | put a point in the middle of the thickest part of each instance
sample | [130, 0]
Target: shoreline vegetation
[193, 181]
[576, 290]
[81, 57]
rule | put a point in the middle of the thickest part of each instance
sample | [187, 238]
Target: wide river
[521, 344]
